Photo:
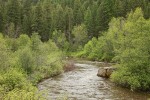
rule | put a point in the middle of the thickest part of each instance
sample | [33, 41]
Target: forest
[37, 35]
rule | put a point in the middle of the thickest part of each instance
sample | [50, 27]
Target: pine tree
[118, 8]
[1, 19]
[27, 18]
[77, 11]
[47, 18]
[38, 20]
[146, 8]
[13, 12]
[59, 18]
[3, 15]
[68, 23]
[88, 22]
[104, 15]
[14, 15]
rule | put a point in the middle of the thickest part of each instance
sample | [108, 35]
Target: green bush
[12, 79]
[133, 55]
[12, 44]
[136, 80]
[80, 37]
[60, 39]
[5, 55]
[26, 60]
[18, 94]
[89, 48]
[23, 41]
[15, 86]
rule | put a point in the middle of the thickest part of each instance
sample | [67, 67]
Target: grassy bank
[24, 62]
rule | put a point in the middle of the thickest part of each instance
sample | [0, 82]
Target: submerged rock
[105, 72]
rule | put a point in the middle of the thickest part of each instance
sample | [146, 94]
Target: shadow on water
[83, 84]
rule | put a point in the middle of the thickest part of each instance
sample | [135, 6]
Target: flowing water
[83, 84]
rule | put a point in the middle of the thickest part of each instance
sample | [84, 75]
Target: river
[83, 84]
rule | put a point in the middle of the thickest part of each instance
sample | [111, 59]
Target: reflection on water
[83, 84]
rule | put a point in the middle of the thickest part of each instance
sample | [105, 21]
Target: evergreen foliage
[46, 16]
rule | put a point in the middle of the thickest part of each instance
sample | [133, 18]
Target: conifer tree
[78, 15]
[38, 20]
[47, 20]
[104, 15]
[1, 19]
[14, 15]
[88, 21]
[27, 18]
[68, 23]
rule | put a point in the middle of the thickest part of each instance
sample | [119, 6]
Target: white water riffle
[83, 84]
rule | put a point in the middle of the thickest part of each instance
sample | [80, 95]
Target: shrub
[134, 54]
[18, 94]
[80, 37]
[26, 60]
[12, 44]
[4, 55]
[15, 86]
[23, 41]
[13, 78]
[88, 48]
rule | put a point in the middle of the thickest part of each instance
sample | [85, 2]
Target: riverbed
[83, 84]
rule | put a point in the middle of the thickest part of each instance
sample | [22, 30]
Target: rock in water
[105, 72]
